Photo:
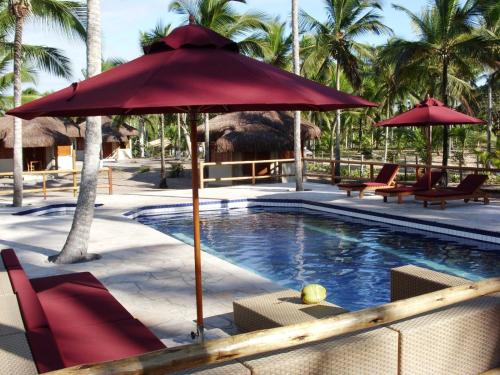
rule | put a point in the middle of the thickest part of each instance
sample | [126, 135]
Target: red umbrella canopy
[193, 69]
[430, 112]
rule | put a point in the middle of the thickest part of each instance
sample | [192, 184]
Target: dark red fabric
[423, 182]
[399, 189]
[68, 285]
[10, 259]
[105, 342]
[191, 70]
[441, 193]
[31, 310]
[362, 184]
[97, 306]
[430, 112]
[472, 182]
[44, 350]
[387, 173]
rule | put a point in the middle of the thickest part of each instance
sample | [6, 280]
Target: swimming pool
[350, 257]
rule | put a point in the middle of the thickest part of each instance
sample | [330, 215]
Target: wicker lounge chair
[469, 188]
[403, 191]
[385, 179]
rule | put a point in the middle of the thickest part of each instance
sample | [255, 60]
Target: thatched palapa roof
[256, 131]
[50, 131]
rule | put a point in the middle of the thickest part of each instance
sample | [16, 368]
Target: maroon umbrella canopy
[427, 113]
[193, 70]
[430, 112]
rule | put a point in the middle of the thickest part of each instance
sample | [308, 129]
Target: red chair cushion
[387, 173]
[104, 342]
[31, 310]
[441, 193]
[44, 350]
[68, 285]
[374, 184]
[95, 307]
[395, 190]
[472, 182]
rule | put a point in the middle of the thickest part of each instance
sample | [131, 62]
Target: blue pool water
[350, 258]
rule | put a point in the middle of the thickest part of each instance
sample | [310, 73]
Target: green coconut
[312, 294]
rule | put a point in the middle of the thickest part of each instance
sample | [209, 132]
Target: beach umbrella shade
[193, 70]
[428, 113]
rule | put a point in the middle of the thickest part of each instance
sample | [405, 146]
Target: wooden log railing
[189, 356]
[74, 185]
[275, 172]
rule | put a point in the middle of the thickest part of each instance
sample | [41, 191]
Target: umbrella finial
[192, 20]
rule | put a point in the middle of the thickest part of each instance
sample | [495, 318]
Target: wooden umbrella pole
[429, 157]
[196, 224]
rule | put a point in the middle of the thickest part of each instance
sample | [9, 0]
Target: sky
[122, 21]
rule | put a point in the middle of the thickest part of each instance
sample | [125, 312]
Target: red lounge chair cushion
[471, 183]
[362, 185]
[441, 193]
[387, 173]
[399, 189]
[31, 310]
[44, 350]
[69, 285]
[105, 342]
[98, 306]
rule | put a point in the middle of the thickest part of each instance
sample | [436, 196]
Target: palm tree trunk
[490, 120]
[76, 246]
[141, 136]
[207, 138]
[337, 127]
[446, 135]
[297, 142]
[179, 141]
[163, 174]
[18, 129]
[387, 132]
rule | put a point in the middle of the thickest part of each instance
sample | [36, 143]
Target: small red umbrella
[193, 70]
[428, 113]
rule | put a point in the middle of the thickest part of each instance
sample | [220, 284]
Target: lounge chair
[385, 179]
[403, 191]
[469, 188]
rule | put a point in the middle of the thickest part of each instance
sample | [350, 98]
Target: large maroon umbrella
[193, 70]
[428, 113]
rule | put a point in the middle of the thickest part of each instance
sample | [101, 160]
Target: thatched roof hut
[50, 131]
[255, 131]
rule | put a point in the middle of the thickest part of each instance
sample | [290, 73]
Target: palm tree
[273, 44]
[346, 20]
[297, 142]
[446, 40]
[76, 246]
[13, 14]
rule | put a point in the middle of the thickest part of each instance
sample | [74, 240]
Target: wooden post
[361, 167]
[110, 181]
[332, 166]
[429, 157]
[195, 182]
[75, 187]
[166, 361]
[406, 170]
[253, 173]
[371, 172]
[44, 185]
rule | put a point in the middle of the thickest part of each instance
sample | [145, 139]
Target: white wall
[65, 162]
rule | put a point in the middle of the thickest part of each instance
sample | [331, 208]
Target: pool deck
[151, 274]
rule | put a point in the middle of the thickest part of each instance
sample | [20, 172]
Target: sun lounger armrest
[410, 281]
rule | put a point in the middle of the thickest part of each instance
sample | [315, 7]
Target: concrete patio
[151, 274]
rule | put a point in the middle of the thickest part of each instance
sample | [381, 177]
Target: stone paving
[151, 274]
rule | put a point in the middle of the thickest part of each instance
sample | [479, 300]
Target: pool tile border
[51, 208]
[424, 225]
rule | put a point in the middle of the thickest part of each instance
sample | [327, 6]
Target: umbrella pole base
[199, 335]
